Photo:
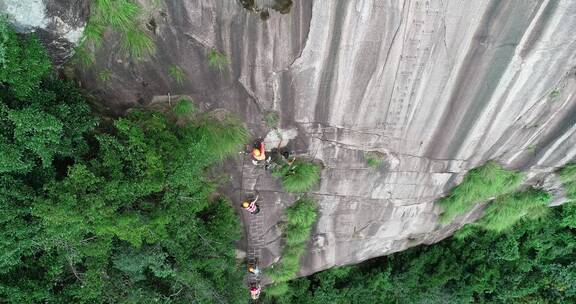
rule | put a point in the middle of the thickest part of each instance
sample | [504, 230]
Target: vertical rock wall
[436, 87]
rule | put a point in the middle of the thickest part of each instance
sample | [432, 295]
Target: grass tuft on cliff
[122, 16]
[222, 136]
[94, 32]
[137, 43]
[217, 60]
[299, 176]
[299, 220]
[177, 73]
[479, 184]
[183, 107]
[105, 75]
[373, 160]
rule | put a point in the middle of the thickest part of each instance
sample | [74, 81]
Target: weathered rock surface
[437, 87]
[59, 23]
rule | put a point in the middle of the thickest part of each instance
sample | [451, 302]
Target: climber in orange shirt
[253, 269]
[258, 153]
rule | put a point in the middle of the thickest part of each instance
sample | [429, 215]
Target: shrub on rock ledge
[479, 184]
[299, 220]
[298, 176]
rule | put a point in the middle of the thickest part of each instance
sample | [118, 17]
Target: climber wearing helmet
[253, 269]
[259, 153]
[251, 206]
[255, 290]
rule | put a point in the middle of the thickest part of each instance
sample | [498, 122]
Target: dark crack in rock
[263, 6]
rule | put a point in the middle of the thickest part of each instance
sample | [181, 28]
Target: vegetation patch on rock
[373, 159]
[299, 175]
[479, 185]
[296, 231]
[124, 18]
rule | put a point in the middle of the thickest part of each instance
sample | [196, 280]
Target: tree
[145, 187]
[533, 262]
[126, 213]
[23, 60]
[40, 133]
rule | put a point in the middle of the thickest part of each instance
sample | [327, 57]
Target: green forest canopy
[95, 212]
[535, 262]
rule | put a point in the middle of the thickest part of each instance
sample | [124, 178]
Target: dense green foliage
[296, 231]
[125, 213]
[298, 176]
[507, 210]
[479, 184]
[535, 262]
[141, 201]
[23, 63]
[5, 31]
[36, 128]
[568, 177]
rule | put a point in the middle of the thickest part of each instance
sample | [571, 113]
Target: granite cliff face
[436, 87]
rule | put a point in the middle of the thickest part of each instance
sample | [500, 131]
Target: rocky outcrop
[435, 87]
[59, 23]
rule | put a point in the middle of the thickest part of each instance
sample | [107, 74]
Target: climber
[287, 158]
[255, 290]
[251, 206]
[259, 153]
[280, 157]
[253, 269]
